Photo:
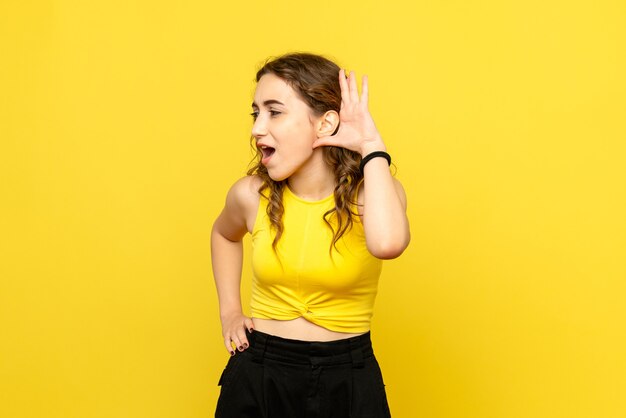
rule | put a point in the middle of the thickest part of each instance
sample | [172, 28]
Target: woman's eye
[272, 112]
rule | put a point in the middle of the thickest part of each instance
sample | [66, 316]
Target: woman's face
[284, 127]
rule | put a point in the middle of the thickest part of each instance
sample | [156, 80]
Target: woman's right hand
[234, 331]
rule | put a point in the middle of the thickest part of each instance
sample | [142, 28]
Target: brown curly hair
[316, 80]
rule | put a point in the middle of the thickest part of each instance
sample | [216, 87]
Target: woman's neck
[313, 181]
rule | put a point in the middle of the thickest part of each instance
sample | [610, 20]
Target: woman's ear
[328, 124]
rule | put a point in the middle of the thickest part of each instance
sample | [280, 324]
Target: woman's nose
[259, 128]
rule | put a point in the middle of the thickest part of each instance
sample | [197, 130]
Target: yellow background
[123, 123]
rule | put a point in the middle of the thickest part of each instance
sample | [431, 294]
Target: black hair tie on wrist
[374, 154]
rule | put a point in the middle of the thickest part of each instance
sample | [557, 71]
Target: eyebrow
[268, 102]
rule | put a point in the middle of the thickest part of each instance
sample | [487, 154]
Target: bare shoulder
[245, 192]
[242, 201]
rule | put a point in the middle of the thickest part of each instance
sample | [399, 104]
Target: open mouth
[267, 152]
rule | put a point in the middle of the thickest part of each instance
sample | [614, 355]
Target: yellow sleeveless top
[302, 279]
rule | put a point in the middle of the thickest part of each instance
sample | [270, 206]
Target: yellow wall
[123, 123]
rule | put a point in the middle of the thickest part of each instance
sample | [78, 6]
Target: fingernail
[251, 329]
[240, 347]
[232, 353]
[245, 345]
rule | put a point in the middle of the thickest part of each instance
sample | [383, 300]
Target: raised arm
[383, 212]
[227, 255]
[382, 197]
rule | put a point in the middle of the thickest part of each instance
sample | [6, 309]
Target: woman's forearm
[226, 257]
[384, 208]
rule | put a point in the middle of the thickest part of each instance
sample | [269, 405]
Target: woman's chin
[276, 175]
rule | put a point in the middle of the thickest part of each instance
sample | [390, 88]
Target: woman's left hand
[357, 131]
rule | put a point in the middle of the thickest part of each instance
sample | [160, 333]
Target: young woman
[323, 210]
